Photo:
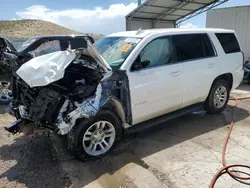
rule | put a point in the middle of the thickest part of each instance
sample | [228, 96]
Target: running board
[162, 119]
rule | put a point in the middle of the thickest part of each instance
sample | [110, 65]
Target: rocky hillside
[30, 28]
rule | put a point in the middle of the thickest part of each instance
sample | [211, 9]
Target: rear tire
[86, 132]
[218, 97]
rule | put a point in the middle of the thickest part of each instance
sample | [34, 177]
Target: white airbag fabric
[46, 69]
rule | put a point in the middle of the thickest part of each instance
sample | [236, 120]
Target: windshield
[115, 50]
[10, 45]
[25, 44]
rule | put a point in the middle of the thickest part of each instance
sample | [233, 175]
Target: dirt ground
[185, 152]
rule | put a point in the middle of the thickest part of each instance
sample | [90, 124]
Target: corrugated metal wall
[236, 18]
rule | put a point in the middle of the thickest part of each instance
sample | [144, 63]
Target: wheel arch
[227, 76]
[116, 106]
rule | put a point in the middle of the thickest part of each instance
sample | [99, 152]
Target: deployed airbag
[46, 69]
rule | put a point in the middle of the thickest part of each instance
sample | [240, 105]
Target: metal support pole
[139, 2]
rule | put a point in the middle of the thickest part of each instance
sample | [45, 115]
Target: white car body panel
[154, 92]
[198, 76]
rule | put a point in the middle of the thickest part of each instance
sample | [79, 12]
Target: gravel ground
[28, 161]
[181, 153]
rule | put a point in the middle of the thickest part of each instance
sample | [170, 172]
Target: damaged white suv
[135, 78]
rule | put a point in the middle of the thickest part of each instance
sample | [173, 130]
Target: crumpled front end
[55, 90]
[84, 109]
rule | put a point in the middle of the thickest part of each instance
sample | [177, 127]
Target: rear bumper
[237, 78]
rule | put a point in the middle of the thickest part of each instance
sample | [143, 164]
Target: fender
[113, 88]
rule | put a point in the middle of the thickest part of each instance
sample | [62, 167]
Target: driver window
[47, 47]
[158, 52]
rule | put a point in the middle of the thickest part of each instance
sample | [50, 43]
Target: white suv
[138, 78]
[170, 69]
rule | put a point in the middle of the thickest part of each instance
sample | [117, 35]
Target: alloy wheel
[99, 138]
[220, 96]
[5, 92]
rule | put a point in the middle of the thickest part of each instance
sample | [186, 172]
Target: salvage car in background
[247, 71]
[34, 47]
[5, 92]
[137, 78]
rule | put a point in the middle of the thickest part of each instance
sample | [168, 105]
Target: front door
[157, 88]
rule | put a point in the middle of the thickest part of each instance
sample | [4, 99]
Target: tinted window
[158, 52]
[78, 43]
[188, 47]
[228, 42]
[192, 46]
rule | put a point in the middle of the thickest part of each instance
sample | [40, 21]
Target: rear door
[197, 57]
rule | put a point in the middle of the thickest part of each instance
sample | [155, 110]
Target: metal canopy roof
[172, 10]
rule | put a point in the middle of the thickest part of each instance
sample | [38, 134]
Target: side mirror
[145, 63]
[140, 64]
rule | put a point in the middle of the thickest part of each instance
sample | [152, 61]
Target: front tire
[218, 97]
[95, 137]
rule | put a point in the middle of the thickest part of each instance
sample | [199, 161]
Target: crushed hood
[45, 69]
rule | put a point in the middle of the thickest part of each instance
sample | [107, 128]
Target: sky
[91, 16]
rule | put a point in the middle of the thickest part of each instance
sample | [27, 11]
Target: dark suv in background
[33, 47]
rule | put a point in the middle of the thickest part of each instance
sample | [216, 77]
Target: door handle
[210, 65]
[176, 73]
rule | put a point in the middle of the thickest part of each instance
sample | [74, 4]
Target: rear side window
[78, 43]
[192, 46]
[228, 42]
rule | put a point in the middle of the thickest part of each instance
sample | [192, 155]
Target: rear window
[228, 42]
